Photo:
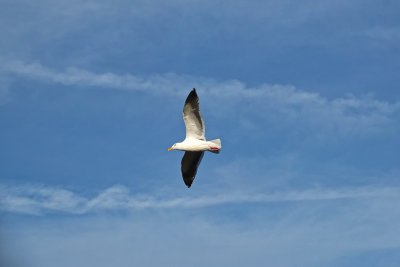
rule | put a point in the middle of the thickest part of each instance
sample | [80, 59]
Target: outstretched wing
[191, 115]
[190, 163]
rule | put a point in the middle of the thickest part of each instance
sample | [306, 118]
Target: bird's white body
[193, 144]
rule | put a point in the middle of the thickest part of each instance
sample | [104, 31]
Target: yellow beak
[169, 149]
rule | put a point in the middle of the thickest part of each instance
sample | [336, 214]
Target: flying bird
[195, 142]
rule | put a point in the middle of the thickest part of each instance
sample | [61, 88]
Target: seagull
[195, 142]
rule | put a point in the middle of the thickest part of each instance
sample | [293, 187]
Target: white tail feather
[216, 143]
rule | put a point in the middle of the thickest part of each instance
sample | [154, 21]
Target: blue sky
[303, 94]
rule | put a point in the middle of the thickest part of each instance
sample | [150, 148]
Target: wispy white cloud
[349, 114]
[168, 83]
[41, 200]
[307, 233]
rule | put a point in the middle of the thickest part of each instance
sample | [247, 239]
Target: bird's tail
[216, 143]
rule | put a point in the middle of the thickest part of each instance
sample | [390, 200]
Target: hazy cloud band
[42, 200]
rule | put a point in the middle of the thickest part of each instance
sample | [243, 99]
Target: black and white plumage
[195, 142]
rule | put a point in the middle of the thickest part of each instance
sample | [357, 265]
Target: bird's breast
[195, 145]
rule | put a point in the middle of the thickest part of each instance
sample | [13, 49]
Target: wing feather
[190, 163]
[194, 122]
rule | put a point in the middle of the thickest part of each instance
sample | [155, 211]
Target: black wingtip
[193, 91]
[188, 181]
[192, 96]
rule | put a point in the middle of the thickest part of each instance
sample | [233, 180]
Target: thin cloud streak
[350, 114]
[37, 200]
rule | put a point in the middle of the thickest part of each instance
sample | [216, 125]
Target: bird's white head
[172, 147]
